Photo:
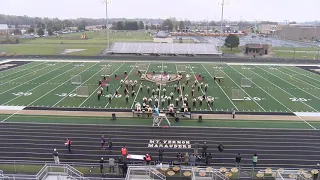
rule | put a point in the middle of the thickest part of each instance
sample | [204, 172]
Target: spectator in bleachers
[198, 160]
[147, 158]
[255, 160]
[186, 159]
[68, 144]
[124, 153]
[101, 163]
[111, 164]
[192, 160]
[238, 159]
[179, 157]
[221, 148]
[196, 148]
[208, 159]
[102, 141]
[110, 144]
[56, 156]
[124, 170]
[161, 151]
[204, 149]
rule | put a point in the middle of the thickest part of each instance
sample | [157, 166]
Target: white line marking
[198, 82]
[299, 80]
[42, 85]
[98, 87]
[289, 83]
[63, 83]
[221, 88]
[135, 98]
[275, 99]
[285, 92]
[77, 87]
[309, 73]
[243, 90]
[20, 69]
[120, 85]
[33, 78]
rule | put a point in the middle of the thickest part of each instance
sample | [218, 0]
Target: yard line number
[22, 94]
[299, 99]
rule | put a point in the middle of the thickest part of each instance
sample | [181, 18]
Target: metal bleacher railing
[17, 171]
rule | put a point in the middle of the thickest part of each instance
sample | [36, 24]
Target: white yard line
[20, 69]
[33, 78]
[194, 75]
[289, 83]
[23, 76]
[120, 85]
[41, 85]
[221, 88]
[135, 98]
[243, 90]
[303, 74]
[282, 89]
[48, 91]
[76, 87]
[273, 98]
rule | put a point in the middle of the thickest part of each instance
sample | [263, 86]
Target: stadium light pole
[222, 11]
[107, 22]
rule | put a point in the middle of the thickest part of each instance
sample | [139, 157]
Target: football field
[274, 89]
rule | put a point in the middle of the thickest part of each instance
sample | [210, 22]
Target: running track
[275, 148]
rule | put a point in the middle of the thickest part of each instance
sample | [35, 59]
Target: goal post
[237, 95]
[82, 91]
[75, 79]
[246, 82]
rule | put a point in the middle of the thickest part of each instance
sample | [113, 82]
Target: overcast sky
[273, 10]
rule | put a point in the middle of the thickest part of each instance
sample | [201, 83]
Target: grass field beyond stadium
[274, 88]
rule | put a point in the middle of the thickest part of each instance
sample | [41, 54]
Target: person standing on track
[233, 113]
[56, 156]
[68, 144]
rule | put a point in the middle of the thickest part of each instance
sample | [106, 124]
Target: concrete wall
[304, 33]
[163, 40]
